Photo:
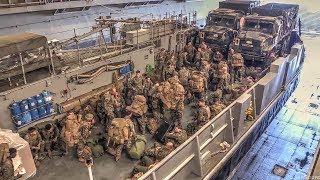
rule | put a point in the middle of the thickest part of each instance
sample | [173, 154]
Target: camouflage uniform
[7, 169]
[190, 50]
[201, 118]
[147, 87]
[160, 61]
[216, 108]
[168, 72]
[136, 86]
[84, 152]
[238, 66]
[112, 106]
[224, 81]
[85, 127]
[50, 138]
[156, 111]
[175, 115]
[70, 132]
[34, 141]
[119, 136]
[177, 138]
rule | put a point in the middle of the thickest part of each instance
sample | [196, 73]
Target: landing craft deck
[205, 154]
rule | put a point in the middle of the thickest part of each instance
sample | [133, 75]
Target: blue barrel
[32, 102]
[15, 109]
[42, 111]
[40, 100]
[49, 109]
[18, 120]
[34, 114]
[47, 96]
[26, 118]
[24, 106]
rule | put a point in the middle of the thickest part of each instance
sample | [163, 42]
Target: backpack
[120, 130]
[139, 105]
[138, 147]
[197, 82]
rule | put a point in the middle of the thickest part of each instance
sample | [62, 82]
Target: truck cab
[265, 34]
[259, 36]
[221, 27]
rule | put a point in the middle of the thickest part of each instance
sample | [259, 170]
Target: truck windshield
[224, 21]
[262, 26]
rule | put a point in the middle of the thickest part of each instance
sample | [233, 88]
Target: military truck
[266, 32]
[223, 23]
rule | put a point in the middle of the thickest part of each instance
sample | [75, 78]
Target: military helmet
[89, 117]
[115, 124]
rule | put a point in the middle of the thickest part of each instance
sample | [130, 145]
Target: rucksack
[139, 105]
[197, 82]
[120, 130]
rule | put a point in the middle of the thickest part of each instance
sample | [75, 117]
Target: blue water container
[34, 114]
[18, 120]
[42, 111]
[26, 118]
[47, 96]
[49, 109]
[24, 106]
[15, 109]
[32, 102]
[40, 100]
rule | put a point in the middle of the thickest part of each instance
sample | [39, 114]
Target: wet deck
[292, 138]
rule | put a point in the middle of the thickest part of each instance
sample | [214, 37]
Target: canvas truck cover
[244, 6]
[20, 42]
[23, 163]
[275, 9]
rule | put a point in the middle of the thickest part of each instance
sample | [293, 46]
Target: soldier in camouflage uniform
[84, 152]
[217, 57]
[160, 61]
[148, 84]
[202, 116]
[216, 108]
[112, 104]
[156, 110]
[190, 50]
[70, 131]
[50, 135]
[250, 81]
[237, 63]
[177, 137]
[198, 58]
[6, 166]
[85, 126]
[168, 71]
[35, 142]
[120, 136]
[224, 79]
[158, 152]
[136, 85]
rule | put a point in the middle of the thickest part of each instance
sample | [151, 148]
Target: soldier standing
[202, 116]
[216, 108]
[168, 71]
[120, 134]
[177, 137]
[190, 50]
[6, 166]
[224, 80]
[160, 60]
[36, 144]
[85, 127]
[50, 135]
[148, 84]
[156, 110]
[197, 58]
[112, 105]
[237, 63]
[217, 57]
[70, 132]
[136, 85]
